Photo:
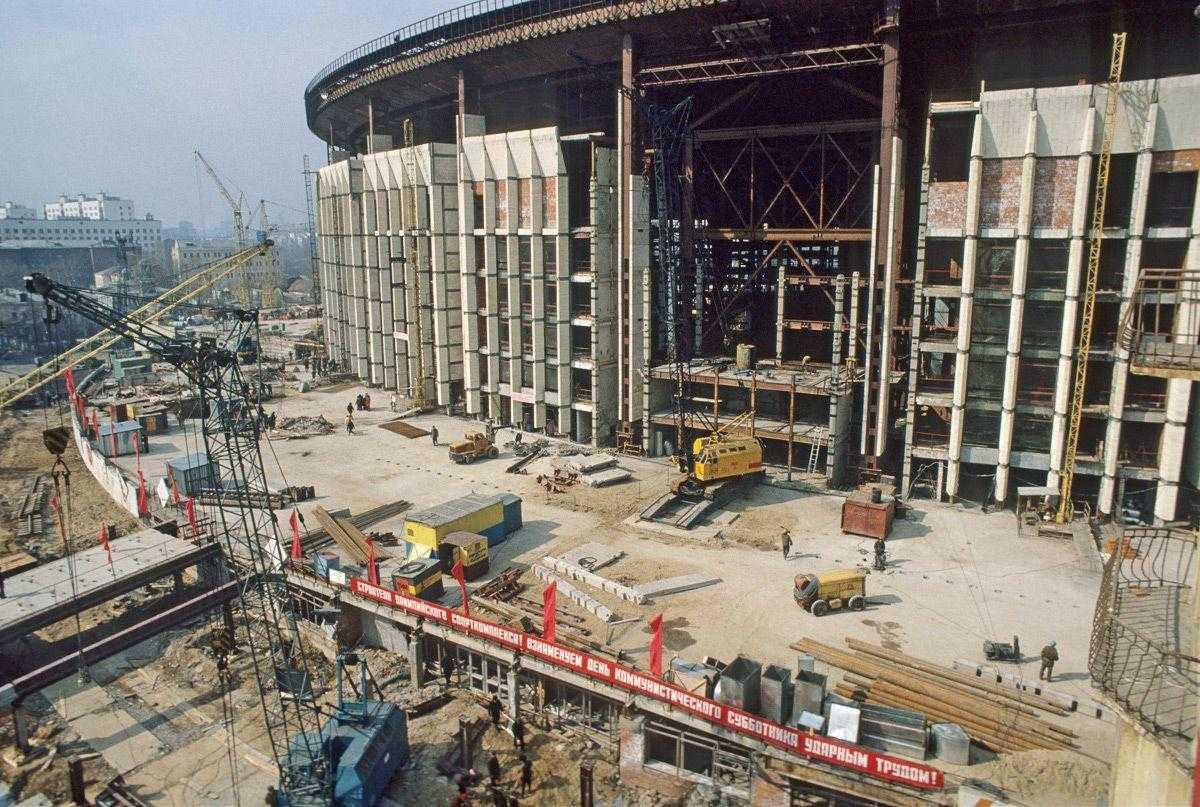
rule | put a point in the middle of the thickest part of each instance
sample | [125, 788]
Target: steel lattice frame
[766, 64]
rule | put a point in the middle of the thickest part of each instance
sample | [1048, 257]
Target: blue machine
[367, 742]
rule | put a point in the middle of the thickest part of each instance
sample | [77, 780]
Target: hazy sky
[115, 96]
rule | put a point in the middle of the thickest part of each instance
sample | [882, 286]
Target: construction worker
[880, 555]
[447, 665]
[349, 409]
[518, 730]
[786, 541]
[494, 769]
[1049, 656]
[710, 686]
[433, 434]
[526, 773]
[494, 711]
[392, 402]
[349, 424]
[367, 402]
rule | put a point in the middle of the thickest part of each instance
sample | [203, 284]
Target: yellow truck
[841, 588]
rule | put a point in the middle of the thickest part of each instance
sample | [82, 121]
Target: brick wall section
[1054, 191]
[1000, 193]
[634, 773]
[769, 789]
[947, 204]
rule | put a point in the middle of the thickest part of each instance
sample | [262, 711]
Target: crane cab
[728, 458]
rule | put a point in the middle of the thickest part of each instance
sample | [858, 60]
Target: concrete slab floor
[956, 576]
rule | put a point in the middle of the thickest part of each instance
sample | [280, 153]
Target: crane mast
[1087, 318]
[252, 542]
[312, 232]
[417, 382]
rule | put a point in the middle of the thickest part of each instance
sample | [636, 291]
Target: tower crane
[187, 289]
[252, 542]
[312, 232]
[239, 223]
[1087, 318]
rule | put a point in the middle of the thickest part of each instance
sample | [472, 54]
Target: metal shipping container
[776, 693]
[426, 528]
[740, 683]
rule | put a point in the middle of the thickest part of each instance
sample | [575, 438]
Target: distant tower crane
[239, 224]
[312, 232]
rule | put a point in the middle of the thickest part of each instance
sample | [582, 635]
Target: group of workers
[495, 770]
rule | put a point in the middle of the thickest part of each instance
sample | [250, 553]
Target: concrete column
[625, 228]
[386, 315]
[914, 357]
[888, 299]
[852, 345]
[416, 659]
[1107, 503]
[780, 292]
[21, 728]
[966, 308]
[1016, 311]
[514, 690]
[374, 309]
[833, 446]
[1070, 320]
[1179, 390]
[872, 280]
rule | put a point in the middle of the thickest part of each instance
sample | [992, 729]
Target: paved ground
[957, 576]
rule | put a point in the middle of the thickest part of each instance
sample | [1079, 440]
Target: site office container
[191, 474]
[120, 439]
[420, 578]
[482, 515]
[468, 548]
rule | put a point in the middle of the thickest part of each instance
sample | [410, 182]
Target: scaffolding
[1160, 331]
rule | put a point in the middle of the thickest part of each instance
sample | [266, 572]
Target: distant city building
[189, 256]
[12, 210]
[100, 207]
[145, 234]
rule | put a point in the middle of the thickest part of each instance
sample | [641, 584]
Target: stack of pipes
[1001, 719]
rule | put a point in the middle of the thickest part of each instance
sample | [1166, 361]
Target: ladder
[1087, 318]
[814, 453]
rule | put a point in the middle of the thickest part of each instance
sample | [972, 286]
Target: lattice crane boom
[417, 382]
[1088, 315]
[252, 541]
[182, 292]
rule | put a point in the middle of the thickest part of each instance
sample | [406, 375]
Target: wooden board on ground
[404, 429]
[16, 563]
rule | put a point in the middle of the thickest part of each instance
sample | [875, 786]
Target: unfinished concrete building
[883, 212]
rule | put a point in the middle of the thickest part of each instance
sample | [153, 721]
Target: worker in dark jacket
[880, 555]
[786, 541]
[1049, 656]
[494, 769]
[433, 434]
[526, 773]
[447, 665]
[494, 711]
[518, 730]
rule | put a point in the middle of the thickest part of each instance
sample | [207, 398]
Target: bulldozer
[473, 446]
[719, 461]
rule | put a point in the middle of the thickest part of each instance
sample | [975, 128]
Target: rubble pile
[304, 426]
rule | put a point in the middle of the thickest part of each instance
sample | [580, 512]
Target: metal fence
[1143, 634]
[441, 29]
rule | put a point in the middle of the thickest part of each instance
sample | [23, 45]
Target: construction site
[705, 403]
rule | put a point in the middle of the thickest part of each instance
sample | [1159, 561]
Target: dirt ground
[22, 457]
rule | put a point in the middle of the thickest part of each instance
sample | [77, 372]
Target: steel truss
[765, 64]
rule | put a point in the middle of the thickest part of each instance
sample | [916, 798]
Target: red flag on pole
[295, 522]
[190, 509]
[175, 497]
[372, 569]
[69, 377]
[549, 612]
[104, 542]
[461, 577]
[143, 508]
[656, 641]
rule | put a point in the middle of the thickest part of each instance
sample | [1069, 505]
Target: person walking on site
[349, 409]
[786, 541]
[433, 434]
[494, 769]
[518, 730]
[494, 711]
[526, 773]
[880, 555]
[393, 402]
[447, 664]
[349, 423]
[1049, 656]
[367, 402]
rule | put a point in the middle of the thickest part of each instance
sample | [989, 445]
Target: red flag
[190, 509]
[295, 522]
[175, 491]
[461, 577]
[143, 508]
[549, 612]
[656, 646]
[69, 377]
[104, 542]
[372, 569]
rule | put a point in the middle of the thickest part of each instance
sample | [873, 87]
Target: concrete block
[609, 476]
[592, 556]
[1033, 687]
[575, 595]
[594, 580]
[591, 464]
[674, 585]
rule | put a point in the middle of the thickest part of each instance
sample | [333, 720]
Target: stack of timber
[346, 535]
[320, 536]
[1001, 719]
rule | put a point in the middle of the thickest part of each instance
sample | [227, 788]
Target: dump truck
[841, 588]
[473, 446]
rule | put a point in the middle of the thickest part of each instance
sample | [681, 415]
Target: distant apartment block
[100, 207]
[12, 210]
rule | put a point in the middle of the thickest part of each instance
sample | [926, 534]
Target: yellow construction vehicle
[473, 446]
[719, 460]
[840, 588]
